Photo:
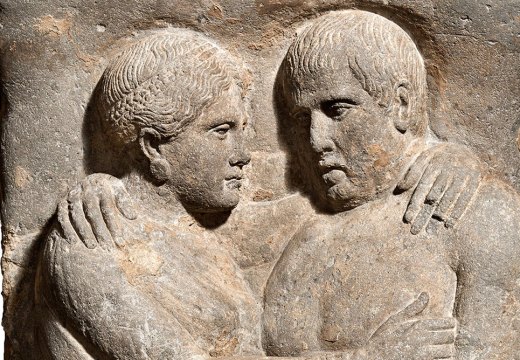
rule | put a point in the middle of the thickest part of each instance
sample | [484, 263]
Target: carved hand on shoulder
[446, 177]
[92, 210]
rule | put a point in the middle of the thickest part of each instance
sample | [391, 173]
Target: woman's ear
[149, 141]
[402, 96]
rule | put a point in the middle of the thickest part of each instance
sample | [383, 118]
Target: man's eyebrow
[341, 99]
[355, 96]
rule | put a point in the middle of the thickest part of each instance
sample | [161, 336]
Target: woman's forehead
[229, 104]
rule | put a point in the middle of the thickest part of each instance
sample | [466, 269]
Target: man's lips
[327, 166]
[334, 176]
[332, 171]
[233, 177]
[331, 163]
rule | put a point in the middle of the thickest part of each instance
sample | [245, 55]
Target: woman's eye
[336, 109]
[221, 130]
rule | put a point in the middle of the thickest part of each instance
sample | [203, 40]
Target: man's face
[349, 142]
[208, 156]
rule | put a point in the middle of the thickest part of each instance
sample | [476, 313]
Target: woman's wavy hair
[163, 81]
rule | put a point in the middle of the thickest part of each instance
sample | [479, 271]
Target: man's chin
[335, 198]
[341, 198]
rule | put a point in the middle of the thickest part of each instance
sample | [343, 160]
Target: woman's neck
[157, 202]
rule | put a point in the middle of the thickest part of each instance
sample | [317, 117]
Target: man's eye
[221, 130]
[338, 108]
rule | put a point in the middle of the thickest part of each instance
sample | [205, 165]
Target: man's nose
[321, 132]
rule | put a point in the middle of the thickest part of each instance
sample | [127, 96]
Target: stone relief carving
[402, 246]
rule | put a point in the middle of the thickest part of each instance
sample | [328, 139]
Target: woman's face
[207, 157]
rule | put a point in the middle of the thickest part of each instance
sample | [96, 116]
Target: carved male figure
[355, 84]
[173, 102]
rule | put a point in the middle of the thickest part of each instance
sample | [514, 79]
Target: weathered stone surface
[259, 179]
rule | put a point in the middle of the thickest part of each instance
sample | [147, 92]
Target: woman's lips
[234, 182]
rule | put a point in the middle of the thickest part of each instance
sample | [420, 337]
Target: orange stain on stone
[49, 25]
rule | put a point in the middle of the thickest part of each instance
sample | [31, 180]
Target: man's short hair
[379, 53]
[163, 81]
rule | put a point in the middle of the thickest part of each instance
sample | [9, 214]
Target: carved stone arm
[88, 291]
[488, 295]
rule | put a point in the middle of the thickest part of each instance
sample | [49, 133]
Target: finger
[437, 324]
[444, 337]
[420, 193]
[108, 207]
[63, 219]
[416, 307]
[422, 219]
[428, 208]
[79, 222]
[463, 201]
[454, 189]
[411, 310]
[415, 172]
[124, 203]
[423, 338]
[91, 206]
[446, 351]
[438, 188]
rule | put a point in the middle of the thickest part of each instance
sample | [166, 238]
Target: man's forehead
[324, 82]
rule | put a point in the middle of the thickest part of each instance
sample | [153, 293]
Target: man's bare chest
[353, 277]
[367, 277]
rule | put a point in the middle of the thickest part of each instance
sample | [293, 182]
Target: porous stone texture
[244, 179]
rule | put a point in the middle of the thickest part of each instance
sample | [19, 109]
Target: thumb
[124, 202]
[414, 173]
[408, 313]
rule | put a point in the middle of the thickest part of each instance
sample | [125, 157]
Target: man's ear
[149, 141]
[402, 97]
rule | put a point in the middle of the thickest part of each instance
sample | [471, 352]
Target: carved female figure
[173, 102]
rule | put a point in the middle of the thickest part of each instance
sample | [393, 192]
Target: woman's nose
[240, 157]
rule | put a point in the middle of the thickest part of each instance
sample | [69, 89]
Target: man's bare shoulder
[306, 250]
[315, 232]
[489, 232]
[494, 211]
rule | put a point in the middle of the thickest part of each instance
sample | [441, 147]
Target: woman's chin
[223, 204]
